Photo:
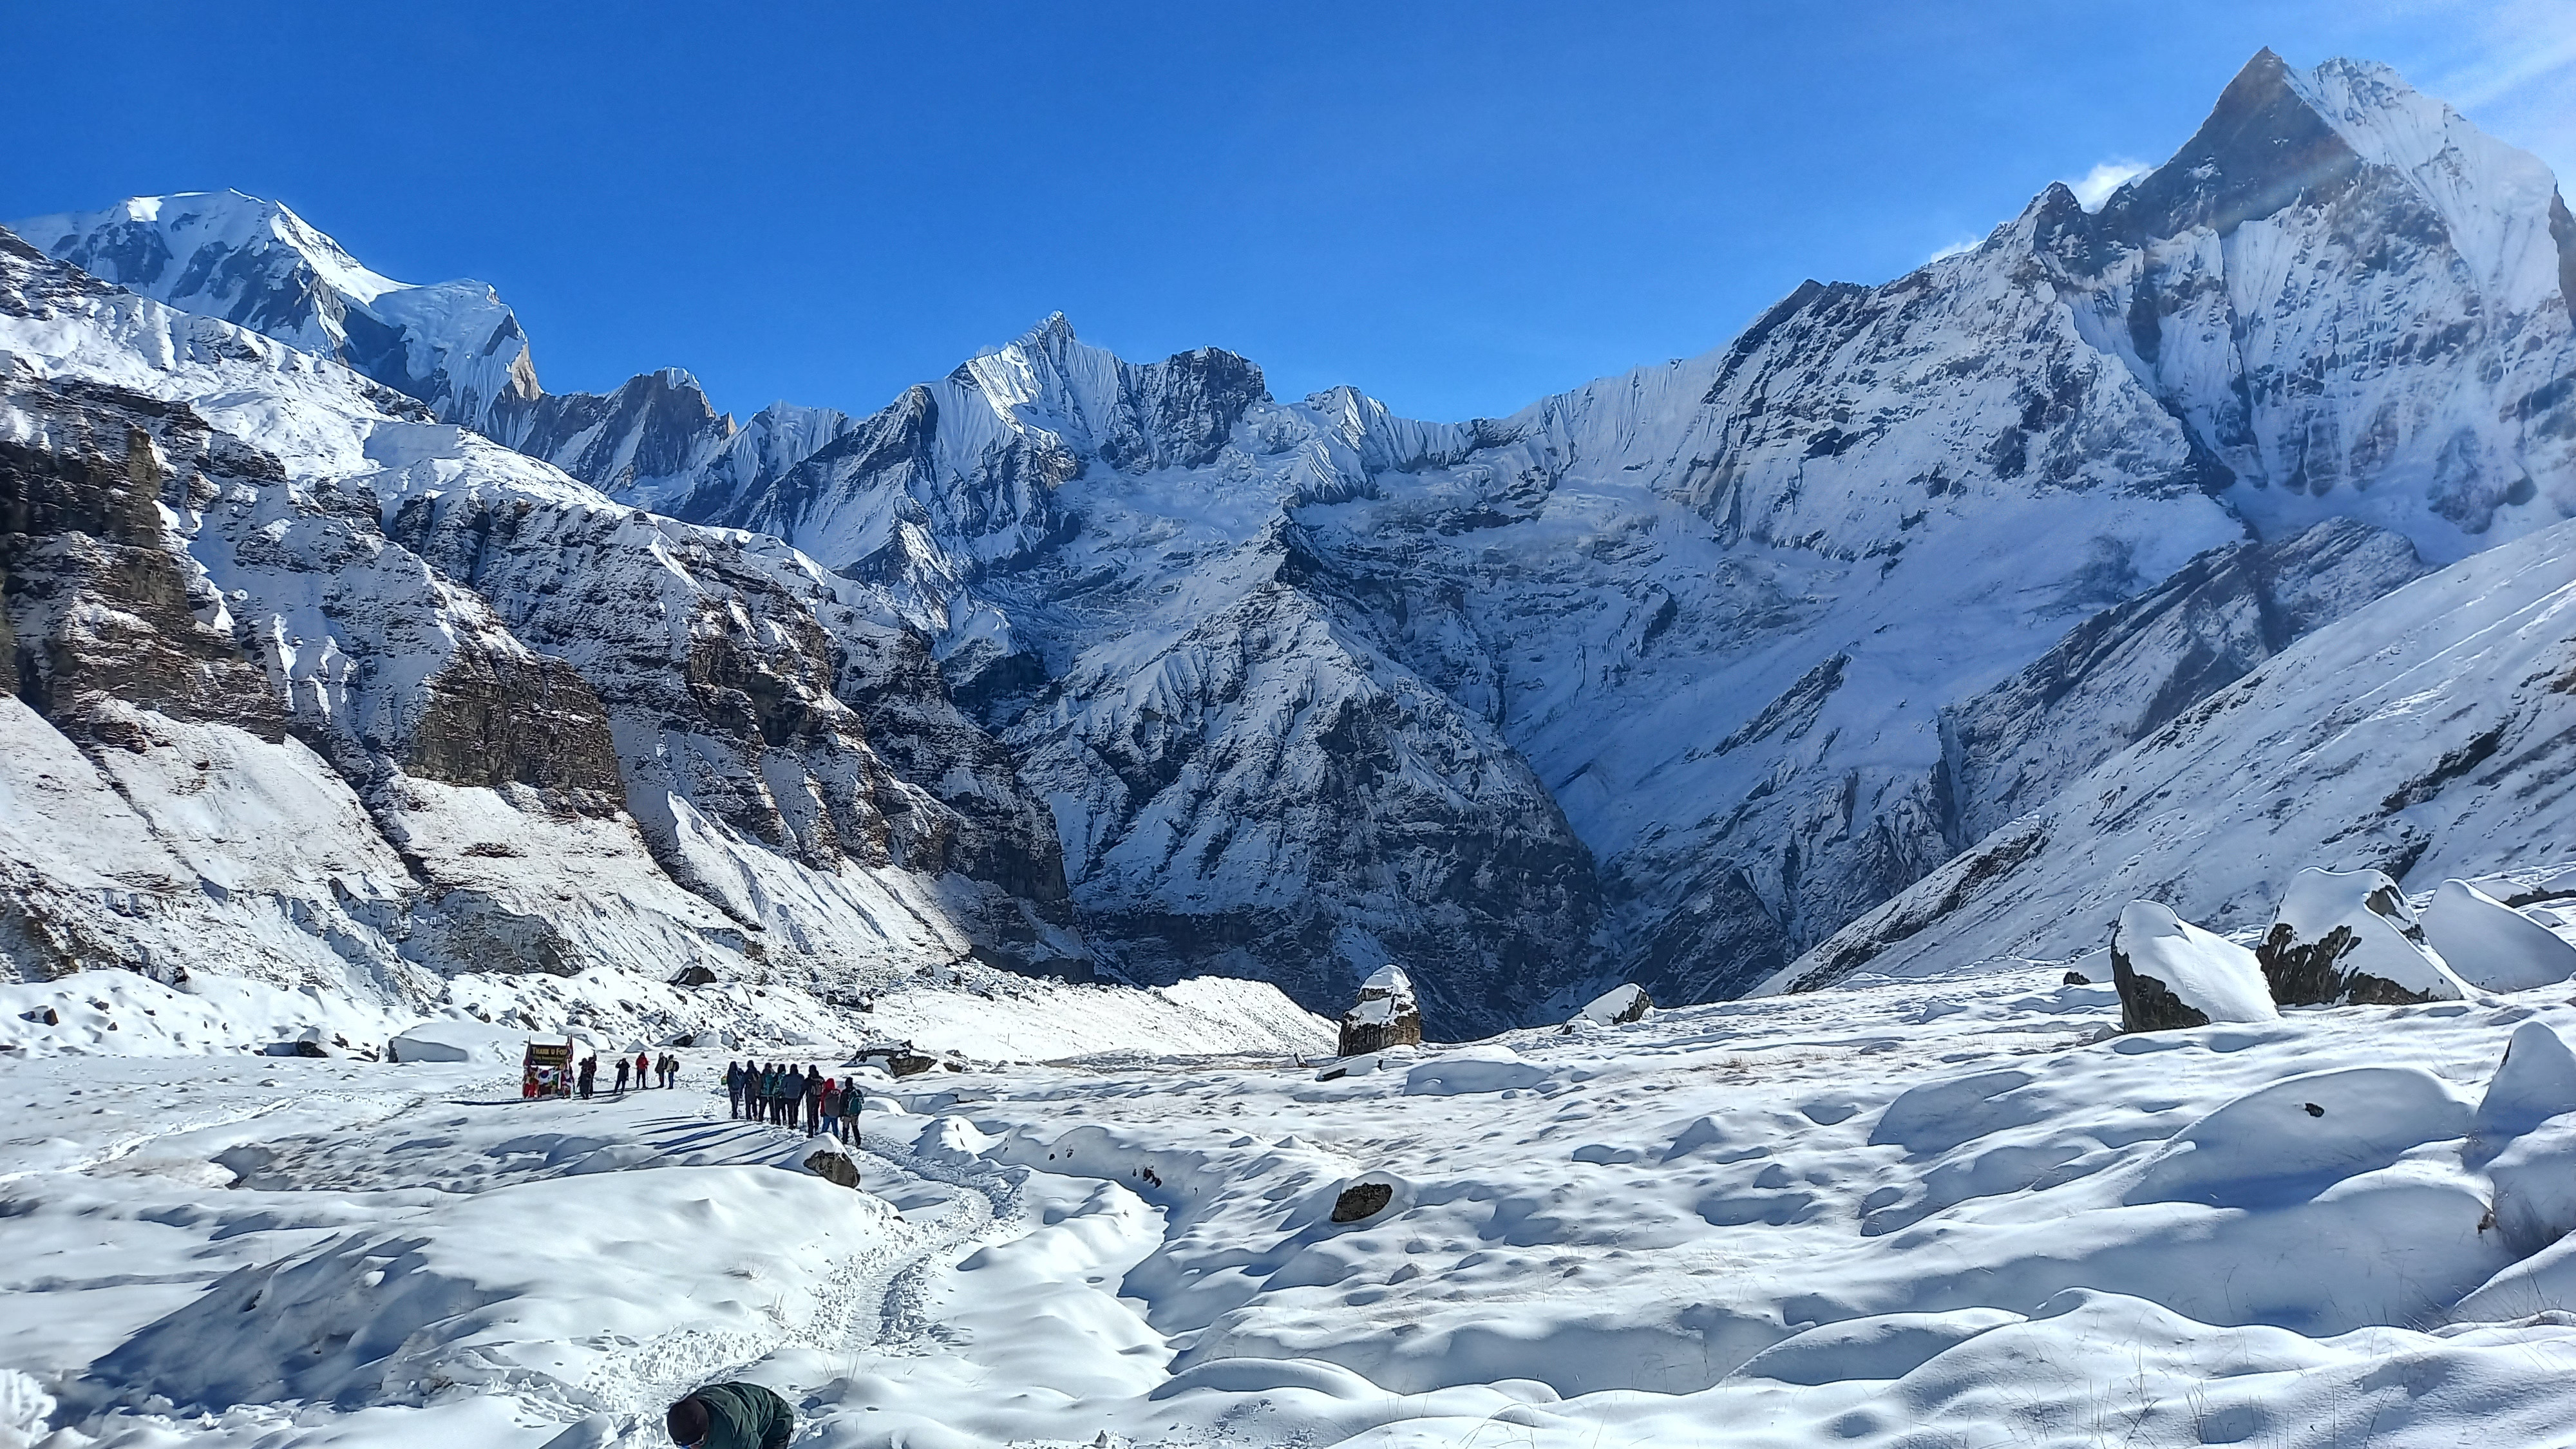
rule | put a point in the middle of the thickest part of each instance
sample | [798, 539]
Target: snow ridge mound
[2490, 944]
[534, 1288]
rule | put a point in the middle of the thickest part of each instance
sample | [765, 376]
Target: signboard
[546, 1071]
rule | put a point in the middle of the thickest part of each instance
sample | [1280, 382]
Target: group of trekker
[665, 1072]
[781, 1095]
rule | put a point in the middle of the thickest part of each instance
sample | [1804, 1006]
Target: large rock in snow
[2171, 973]
[1385, 1015]
[2348, 938]
[1617, 1006]
[2492, 945]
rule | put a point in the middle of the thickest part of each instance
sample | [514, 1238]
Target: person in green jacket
[731, 1416]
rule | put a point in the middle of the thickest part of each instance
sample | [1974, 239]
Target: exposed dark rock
[2076, 978]
[694, 976]
[501, 718]
[1361, 1201]
[96, 602]
[2147, 1004]
[899, 1060]
[834, 1168]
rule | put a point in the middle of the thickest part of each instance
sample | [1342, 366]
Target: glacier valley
[1076, 735]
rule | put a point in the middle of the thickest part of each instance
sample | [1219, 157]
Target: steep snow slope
[276, 713]
[2426, 735]
[1675, 675]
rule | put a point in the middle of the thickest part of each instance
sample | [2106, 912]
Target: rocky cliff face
[1670, 677]
[367, 699]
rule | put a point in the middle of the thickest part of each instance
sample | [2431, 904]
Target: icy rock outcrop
[2348, 938]
[1386, 1014]
[1362, 1201]
[2171, 973]
[1615, 1007]
[2490, 944]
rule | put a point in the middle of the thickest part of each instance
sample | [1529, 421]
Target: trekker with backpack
[731, 1416]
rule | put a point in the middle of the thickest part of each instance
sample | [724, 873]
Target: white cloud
[2105, 178]
[1963, 244]
[2509, 67]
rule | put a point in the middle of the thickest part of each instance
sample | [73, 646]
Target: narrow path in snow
[876, 1299]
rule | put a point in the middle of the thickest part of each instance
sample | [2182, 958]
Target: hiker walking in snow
[589, 1076]
[731, 1416]
[669, 1069]
[851, 1102]
[643, 1067]
[812, 1091]
[769, 1093]
[831, 1103]
[733, 1088]
[621, 1076]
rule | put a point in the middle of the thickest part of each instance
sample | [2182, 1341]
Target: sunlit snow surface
[1949, 1212]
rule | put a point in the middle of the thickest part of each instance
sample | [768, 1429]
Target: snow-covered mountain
[2427, 735]
[1673, 676]
[311, 688]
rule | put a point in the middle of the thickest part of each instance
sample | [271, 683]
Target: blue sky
[1458, 207]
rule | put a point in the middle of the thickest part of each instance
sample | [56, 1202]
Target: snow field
[1957, 1212]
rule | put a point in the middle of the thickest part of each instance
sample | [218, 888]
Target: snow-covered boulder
[2492, 945]
[1385, 1015]
[2348, 938]
[2171, 973]
[1489, 1068]
[1618, 1006]
[458, 1041]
